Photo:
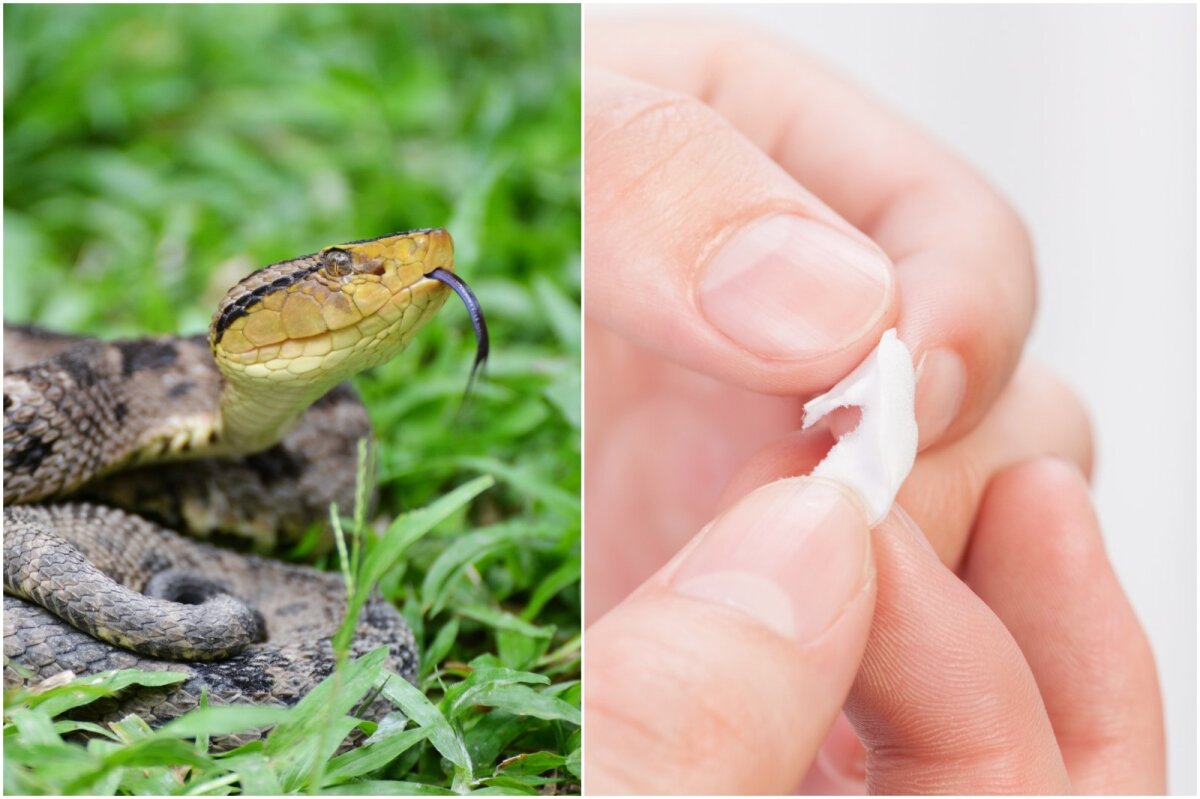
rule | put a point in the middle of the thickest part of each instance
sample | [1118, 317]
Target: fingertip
[1078, 447]
[1041, 506]
[791, 556]
[969, 301]
[1057, 478]
[703, 249]
[944, 702]
[757, 626]
[686, 695]
[1038, 559]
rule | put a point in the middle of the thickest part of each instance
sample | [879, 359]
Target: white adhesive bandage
[876, 457]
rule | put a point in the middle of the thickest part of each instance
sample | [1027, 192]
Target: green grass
[154, 155]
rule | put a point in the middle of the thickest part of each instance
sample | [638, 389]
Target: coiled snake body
[250, 434]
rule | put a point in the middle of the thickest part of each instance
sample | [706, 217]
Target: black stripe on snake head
[418, 231]
[241, 306]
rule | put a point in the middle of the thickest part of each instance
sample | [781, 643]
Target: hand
[670, 186]
[1030, 675]
[754, 225]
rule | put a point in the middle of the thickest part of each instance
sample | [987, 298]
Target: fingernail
[790, 287]
[790, 555]
[940, 392]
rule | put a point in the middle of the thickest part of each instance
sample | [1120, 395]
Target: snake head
[291, 331]
[356, 303]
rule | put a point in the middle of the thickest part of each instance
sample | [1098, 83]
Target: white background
[1085, 117]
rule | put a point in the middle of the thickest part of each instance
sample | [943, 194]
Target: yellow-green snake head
[289, 332]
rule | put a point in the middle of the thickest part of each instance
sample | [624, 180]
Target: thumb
[702, 248]
[723, 673]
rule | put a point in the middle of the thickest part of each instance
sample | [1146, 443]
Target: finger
[944, 701]
[725, 671]
[840, 767]
[646, 503]
[1037, 559]
[1037, 415]
[963, 259]
[704, 250]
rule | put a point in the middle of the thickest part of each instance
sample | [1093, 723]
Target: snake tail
[43, 567]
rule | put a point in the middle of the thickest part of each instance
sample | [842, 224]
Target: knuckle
[1074, 437]
[1011, 228]
[1012, 237]
[643, 140]
[627, 112]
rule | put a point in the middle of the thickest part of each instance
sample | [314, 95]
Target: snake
[132, 466]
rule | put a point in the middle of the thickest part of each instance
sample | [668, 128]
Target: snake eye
[337, 262]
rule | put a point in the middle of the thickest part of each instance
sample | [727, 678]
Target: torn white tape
[874, 458]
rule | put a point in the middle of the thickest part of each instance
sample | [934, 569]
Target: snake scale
[245, 435]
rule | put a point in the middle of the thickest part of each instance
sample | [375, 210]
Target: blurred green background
[161, 141]
[156, 154]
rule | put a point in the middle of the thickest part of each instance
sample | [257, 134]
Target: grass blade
[402, 533]
[425, 714]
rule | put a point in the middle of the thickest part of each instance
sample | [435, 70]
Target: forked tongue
[477, 321]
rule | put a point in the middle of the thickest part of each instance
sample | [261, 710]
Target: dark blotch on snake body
[276, 464]
[28, 455]
[342, 392]
[145, 354]
[153, 562]
[239, 675]
[77, 362]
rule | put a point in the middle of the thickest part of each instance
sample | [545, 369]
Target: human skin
[723, 670]
[693, 140]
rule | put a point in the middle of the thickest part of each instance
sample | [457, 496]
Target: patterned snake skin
[90, 586]
[261, 501]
